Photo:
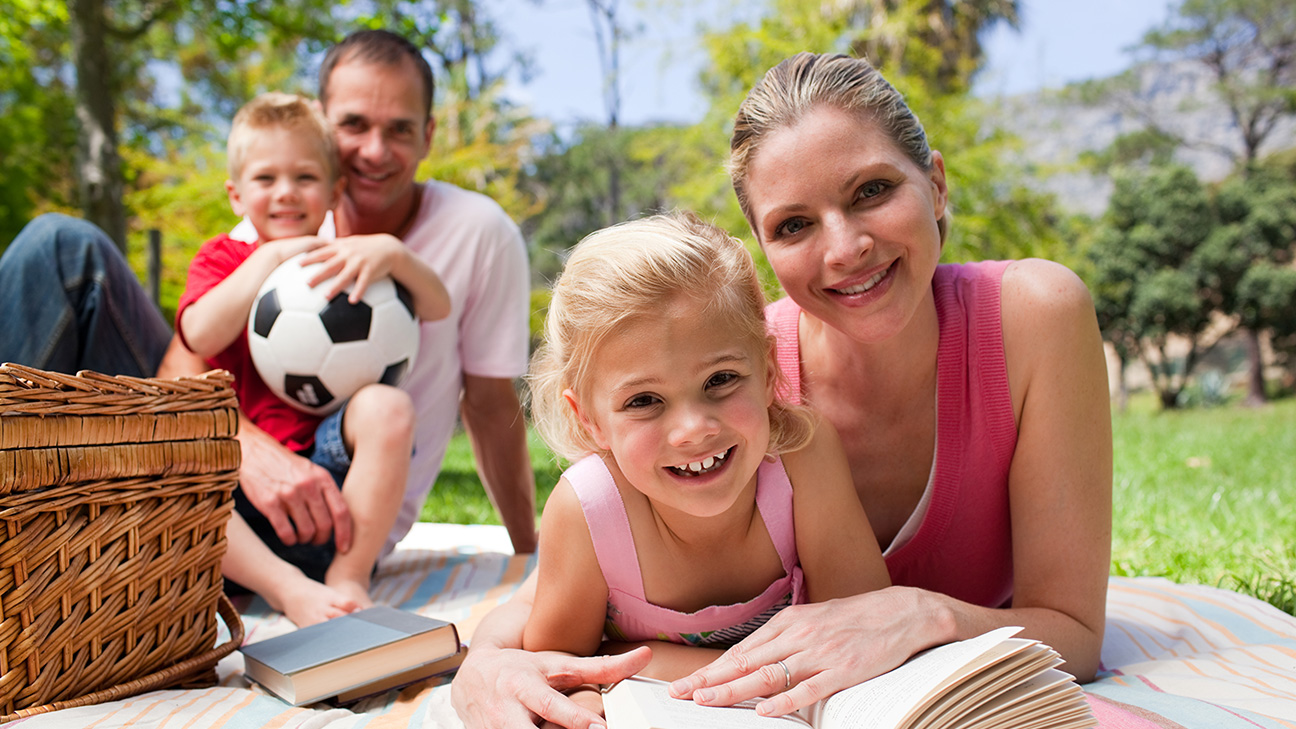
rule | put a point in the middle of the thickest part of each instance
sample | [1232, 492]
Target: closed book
[432, 669]
[347, 653]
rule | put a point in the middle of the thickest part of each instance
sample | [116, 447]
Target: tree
[1249, 47]
[37, 129]
[939, 40]
[1146, 272]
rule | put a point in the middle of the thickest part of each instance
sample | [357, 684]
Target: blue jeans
[71, 302]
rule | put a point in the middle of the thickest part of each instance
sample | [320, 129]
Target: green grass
[1208, 496]
[1203, 496]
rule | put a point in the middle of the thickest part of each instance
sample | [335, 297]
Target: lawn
[1202, 496]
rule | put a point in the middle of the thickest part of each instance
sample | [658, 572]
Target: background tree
[1249, 48]
[1147, 272]
[939, 40]
[37, 122]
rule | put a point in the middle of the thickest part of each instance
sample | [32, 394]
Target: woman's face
[848, 221]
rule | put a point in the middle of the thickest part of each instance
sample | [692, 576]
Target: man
[376, 90]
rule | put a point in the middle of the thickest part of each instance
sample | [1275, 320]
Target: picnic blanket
[1174, 655]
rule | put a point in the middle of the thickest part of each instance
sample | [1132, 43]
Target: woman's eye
[790, 227]
[871, 189]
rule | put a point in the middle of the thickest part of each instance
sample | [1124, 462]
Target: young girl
[699, 504]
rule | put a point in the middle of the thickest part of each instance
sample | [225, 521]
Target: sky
[1060, 41]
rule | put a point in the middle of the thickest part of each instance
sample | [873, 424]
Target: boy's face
[285, 187]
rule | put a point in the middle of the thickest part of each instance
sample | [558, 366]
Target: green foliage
[1247, 46]
[1151, 270]
[37, 123]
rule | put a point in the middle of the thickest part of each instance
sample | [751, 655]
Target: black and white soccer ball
[314, 353]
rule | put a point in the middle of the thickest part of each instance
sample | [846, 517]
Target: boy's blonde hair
[277, 110]
[808, 81]
[631, 270]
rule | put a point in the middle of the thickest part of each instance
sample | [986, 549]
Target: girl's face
[682, 403]
[847, 221]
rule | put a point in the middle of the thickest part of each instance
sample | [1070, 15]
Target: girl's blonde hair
[807, 81]
[631, 270]
[277, 110]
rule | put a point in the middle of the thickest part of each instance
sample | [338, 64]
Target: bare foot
[354, 590]
[308, 602]
[345, 581]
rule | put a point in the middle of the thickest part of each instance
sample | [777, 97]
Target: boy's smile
[284, 186]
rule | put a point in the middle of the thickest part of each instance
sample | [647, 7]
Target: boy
[284, 177]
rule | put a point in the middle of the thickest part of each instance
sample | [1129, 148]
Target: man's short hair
[276, 110]
[381, 47]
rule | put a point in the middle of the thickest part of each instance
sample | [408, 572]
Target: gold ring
[787, 675]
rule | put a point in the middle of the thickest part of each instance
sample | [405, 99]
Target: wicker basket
[114, 495]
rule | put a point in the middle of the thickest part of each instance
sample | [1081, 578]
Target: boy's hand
[355, 261]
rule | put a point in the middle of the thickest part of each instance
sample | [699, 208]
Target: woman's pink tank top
[963, 545]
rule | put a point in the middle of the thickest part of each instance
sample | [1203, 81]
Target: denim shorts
[329, 451]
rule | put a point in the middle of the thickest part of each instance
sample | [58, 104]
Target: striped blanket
[1174, 655]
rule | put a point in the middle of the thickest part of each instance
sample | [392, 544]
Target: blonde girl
[699, 503]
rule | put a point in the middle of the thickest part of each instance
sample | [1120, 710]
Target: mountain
[1057, 126]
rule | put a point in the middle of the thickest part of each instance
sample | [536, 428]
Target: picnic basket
[114, 496]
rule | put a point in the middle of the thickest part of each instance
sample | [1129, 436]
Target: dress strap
[609, 527]
[774, 500]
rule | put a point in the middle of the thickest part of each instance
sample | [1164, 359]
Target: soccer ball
[314, 353]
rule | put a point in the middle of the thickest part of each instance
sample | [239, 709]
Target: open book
[993, 681]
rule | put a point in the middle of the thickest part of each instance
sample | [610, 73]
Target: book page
[886, 701]
[639, 703]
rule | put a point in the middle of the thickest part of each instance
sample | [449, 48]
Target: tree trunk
[98, 165]
[1255, 370]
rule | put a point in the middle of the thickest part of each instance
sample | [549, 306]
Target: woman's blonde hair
[632, 270]
[277, 110]
[807, 81]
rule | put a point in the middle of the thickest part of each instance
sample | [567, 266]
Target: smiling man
[376, 89]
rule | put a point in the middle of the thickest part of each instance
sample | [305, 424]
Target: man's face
[377, 111]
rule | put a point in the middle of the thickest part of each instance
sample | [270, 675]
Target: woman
[972, 402]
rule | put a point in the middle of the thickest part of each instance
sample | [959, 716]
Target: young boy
[284, 176]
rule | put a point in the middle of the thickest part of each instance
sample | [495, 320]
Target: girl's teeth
[705, 464]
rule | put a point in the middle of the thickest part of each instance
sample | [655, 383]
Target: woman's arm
[835, 543]
[1060, 490]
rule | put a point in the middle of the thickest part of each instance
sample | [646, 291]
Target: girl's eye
[720, 379]
[639, 402]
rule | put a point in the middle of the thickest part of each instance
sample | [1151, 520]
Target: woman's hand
[826, 647]
[502, 687]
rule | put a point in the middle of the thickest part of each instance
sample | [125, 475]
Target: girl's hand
[586, 697]
[513, 689]
[826, 647]
[355, 261]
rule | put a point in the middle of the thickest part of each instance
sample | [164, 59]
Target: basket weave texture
[114, 495]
